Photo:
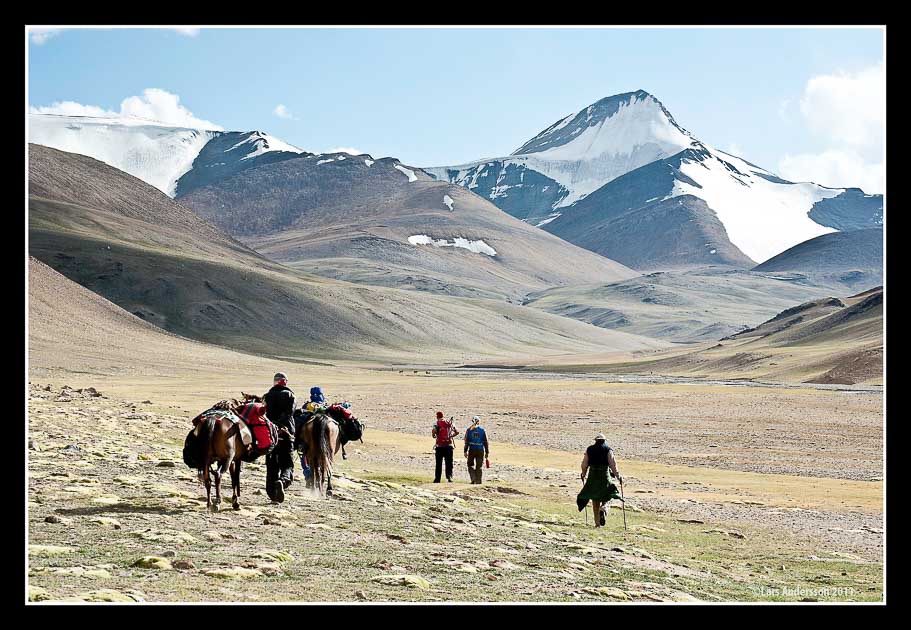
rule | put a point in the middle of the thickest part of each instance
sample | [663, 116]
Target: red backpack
[444, 431]
[253, 414]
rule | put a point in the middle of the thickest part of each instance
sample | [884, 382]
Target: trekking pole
[623, 503]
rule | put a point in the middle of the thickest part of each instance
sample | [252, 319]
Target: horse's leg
[206, 477]
[235, 483]
[208, 481]
[222, 470]
[217, 474]
[333, 437]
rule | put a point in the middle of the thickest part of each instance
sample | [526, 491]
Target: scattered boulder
[36, 593]
[106, 521]
[153, 562]
[274, 555]
[33, 445]
[233, 573]
[607, 591]
[53, 518]
[726, 532]
[48, 550]
[412, 581]
[107, 595]
[166, 463]
[77, 571]
[184, 565]
[162, 536]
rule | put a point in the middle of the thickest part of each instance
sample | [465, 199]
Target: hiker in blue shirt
[476, 449]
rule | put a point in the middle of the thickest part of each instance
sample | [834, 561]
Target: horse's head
[247, 398]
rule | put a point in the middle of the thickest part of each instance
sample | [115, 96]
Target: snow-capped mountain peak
[576, 155]
[615, 124]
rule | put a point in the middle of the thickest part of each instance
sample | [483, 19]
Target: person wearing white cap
[476, 449]
[598, 488]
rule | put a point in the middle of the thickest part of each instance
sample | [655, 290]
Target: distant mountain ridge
[163, 155]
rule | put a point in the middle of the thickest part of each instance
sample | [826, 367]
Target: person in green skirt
[598, 488]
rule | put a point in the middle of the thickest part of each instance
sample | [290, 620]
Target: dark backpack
[352, 430]
[190, 450]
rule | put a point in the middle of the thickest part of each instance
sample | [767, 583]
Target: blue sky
[786, 99]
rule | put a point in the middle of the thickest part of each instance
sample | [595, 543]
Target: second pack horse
[319, 436]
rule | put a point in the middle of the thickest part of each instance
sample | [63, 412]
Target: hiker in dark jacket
[280, 462]
[444, 431]
[599, 488]
[476, 449]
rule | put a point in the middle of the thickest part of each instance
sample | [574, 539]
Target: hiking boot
[603, 515]
[278, 492]
[449, 479]
[436, 481]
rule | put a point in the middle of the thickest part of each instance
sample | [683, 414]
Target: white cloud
[847, 112]
[40, 35]
[283, 112]
[348, 150]
[189, 32]
[154, 104]
[848, 109]
[836, 169]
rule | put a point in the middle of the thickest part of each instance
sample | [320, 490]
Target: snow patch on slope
[551, 217]
[478, 247]
[447, 201]
[409, 173]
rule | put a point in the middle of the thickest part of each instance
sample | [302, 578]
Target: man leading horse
[280, 462]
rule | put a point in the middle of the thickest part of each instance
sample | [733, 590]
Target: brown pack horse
[319, 440]
[220, 443]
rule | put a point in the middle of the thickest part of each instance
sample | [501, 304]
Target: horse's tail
[206, 431]
[321, 449]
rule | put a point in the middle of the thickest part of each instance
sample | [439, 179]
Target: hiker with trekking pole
[599, 488]
[443, 431]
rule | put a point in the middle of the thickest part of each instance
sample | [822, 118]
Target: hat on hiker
[600, 437]
[280, 377]
[439, 414]
[476, 420]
